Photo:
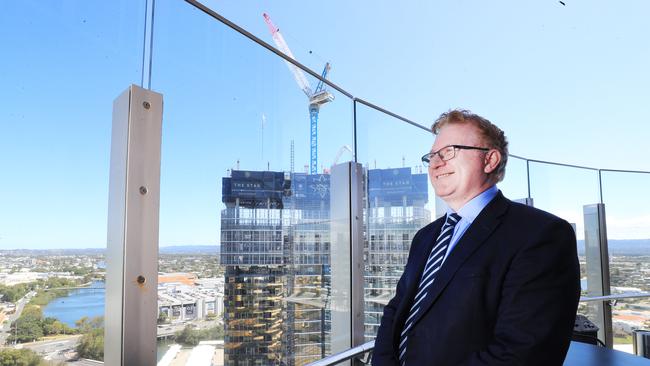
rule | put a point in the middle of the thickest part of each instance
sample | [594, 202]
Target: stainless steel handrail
[345, 355]
[197, 4]
[369, 346]
[625, 295]
[394, 115]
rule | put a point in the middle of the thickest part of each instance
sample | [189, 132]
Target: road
[20, 305]
[54, 349]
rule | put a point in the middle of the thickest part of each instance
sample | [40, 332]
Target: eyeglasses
[448, 153]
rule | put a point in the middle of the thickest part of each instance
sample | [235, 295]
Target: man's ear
[492, 161]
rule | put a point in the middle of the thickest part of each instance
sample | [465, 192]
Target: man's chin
[441, 192]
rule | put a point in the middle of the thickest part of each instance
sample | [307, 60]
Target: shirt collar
[474, 207]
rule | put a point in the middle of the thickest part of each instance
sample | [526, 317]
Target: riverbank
[51, 289]
[78, 303]
[48, 311]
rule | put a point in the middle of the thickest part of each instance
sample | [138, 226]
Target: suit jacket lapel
[426, 243]
[473, 238]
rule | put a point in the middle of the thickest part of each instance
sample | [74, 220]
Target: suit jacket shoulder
[533, 220]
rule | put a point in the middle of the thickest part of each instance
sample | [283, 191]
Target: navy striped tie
[428, 275]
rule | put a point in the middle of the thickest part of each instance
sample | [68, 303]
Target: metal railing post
[597, 256]
[528, 177]
[133, 214]
[346, 256]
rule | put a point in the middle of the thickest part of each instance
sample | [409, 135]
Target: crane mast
[317, 97]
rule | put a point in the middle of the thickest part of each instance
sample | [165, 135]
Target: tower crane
[341, 151]
[317, 97]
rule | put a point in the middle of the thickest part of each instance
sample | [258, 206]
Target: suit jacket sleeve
[384, 351]
[539, 299]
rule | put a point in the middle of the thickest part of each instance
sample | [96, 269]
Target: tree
[191, 337]
[25, 330]
[19, 357]
[82, 325]
[32, 311]
[48, 326]
[91, 344]
[163, 317]
[15, 292]
[188, 336]
[28, 327]
[54, 326]
[214, 333]
[85, 324]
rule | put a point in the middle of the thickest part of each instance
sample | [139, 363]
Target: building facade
[275, 246]
[395, 211]
[252, 252]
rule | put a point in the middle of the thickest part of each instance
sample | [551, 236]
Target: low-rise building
[184, 297]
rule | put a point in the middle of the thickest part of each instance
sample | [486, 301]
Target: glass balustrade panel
[564, 192]
[515, 183]
[246, 225]
[398, 202]
[627, 209]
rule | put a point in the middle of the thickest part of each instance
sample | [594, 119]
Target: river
[79, 303]
[86, 302]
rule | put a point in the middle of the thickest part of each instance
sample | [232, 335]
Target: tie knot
[452, 219]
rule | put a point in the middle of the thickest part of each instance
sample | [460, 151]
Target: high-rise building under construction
[252, 252]
[275, 246]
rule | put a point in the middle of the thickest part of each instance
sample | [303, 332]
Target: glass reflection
[242, 125]
[396, 210]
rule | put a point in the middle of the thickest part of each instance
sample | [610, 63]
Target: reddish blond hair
[491, 135]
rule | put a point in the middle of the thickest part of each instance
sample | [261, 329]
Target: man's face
[464, 177]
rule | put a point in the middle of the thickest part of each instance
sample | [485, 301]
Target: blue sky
[566, 83]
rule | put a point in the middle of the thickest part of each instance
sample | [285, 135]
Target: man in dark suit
[492, 282]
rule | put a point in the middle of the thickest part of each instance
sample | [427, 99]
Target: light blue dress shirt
[468, 213]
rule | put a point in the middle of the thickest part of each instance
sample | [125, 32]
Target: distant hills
[50, 252]
[175, 249]
[617, 247]
[191, 249]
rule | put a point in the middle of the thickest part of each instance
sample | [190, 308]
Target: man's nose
[435, 162]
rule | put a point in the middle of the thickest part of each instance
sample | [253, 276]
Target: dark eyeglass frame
[426, 159]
